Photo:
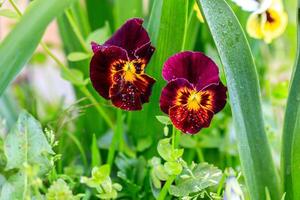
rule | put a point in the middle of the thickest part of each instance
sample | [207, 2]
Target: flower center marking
[130, 71]
[194, 100]
[270, 18]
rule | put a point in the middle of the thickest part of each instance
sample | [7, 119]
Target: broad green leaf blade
[291, 133]
[172, 28]
[127, 9]
[25, 144]
[154, 21]
[99, 12]
[8, 109]
[257, 163]
[19, 45]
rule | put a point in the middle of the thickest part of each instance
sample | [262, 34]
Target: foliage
[76, 145]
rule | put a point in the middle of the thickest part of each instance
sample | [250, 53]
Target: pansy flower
[269, 24]
[194, 92]
[117, 69]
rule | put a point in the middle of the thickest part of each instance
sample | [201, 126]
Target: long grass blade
[257, 163]
[19, 45]
[291, 133]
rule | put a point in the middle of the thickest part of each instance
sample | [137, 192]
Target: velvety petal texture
[190, 66]
[117, 69]
[193, 93]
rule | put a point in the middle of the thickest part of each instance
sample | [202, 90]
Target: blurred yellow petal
[199, 14]
[254, 26]
[274, 25]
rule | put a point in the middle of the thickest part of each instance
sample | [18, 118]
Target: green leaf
[59, 190]
[25, 144]
[245, 97]
[144, 144]
[167, 152]
[8, 13]
[99, 36]
[78, 56]
[164, 120]
[99, 13]
[96, 157]
[125, 10]
[203, 176]
[154, 21]
[173, 168]
[291, 133]
[74, 76]
[17, 48]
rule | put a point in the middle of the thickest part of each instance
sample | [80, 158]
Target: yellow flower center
[194, 100]
[130, 71]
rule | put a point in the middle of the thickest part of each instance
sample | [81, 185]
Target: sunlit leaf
[203, 176]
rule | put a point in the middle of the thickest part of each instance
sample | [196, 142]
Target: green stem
[173, 137]
[76, 30]
[116, 137]
[163, 193]
[15, 7]
[92, 99]
[80, 148]
[200, 155]
[221, 184]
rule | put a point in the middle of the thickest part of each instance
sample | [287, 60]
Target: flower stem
[15, 7]
[76, 30]
[100, 110]
[175, 137]
[163, 193]
[116, 137]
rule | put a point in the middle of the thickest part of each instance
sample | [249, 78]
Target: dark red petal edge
[100, 68]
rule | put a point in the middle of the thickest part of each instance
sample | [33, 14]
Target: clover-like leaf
[200, 177]
[173, 168]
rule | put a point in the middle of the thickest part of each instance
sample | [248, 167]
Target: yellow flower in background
[199, 14]
[269, 24]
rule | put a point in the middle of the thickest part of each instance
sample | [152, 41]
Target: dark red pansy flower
[117, 69]
[194, 92]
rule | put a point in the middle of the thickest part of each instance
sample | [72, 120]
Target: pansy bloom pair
[192, 95]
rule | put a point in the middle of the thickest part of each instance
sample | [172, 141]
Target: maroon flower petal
[190, 121]
[197, 68]
[101, 68]
[144, 85]
[214, 97]
[131, 36]
[128, 98]
[170, 93]
[131, 95]
[145, 52]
